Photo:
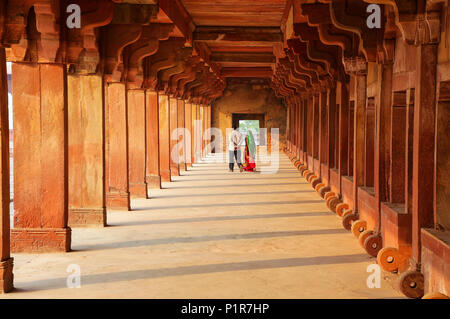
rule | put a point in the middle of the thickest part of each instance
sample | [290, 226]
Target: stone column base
[118, 201]
[6, 275]
[165, 176]
[40, 240]
[174, 170]
[182, 167]
[87, 217]
[154, 182]
[138, 190]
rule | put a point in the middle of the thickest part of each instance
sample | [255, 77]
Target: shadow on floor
[230, 205]
[201, 179]
[226, 194]
[220, 218]
[242, 183]
[92, 279]
[176, 240]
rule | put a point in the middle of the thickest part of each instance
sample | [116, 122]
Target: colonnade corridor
[211, 233]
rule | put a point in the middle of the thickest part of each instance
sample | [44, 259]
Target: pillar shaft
[344, 118]
[40, 158]
[164, 138]
[6, 262]
[333, 136]
[423, 143]
[137, 142]
[87, 205]
[188, 134]
[181, 134]
[323, 130]
[152, 126]
[193, 132]
[173, 127]
[359, 135]
[118, 195]
[383, 134]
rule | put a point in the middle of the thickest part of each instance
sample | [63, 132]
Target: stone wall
[250, 96]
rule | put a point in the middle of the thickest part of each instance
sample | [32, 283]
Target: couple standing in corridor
[234, 150]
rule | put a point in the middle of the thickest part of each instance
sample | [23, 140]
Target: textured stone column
[199, 137]
[323, 131]
[209, 127]
[193, 132]
[118, 195]
[181, 140]
[203, 141]
[344, 118]
[137, 142]
[359, 134]
[173, 129]
[152, 126]
[188, 134]
[40, 158]
[333, 135]
[164, 138]
[424, 144]
[196, 129]
[6, 262]
[87, 205]
[383, 134]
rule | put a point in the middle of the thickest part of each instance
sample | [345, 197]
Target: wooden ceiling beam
[250, 36]
[247, 72]
[243, 57]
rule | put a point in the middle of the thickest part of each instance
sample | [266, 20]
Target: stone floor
[211, 234]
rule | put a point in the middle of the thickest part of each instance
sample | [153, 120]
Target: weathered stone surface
[173, 131]
[6, 275]
[181, 135]
[153, 176]
[164, 138]
[136, 142]
[118, 195]
[40, 159]
[6, 263]
[86, 151]
[40, 240]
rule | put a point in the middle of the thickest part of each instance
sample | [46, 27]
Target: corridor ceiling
[240, 35]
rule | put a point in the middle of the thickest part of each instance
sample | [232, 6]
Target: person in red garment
[250, 154]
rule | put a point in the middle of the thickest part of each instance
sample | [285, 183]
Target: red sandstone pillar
[173, 129]
[164, 138]
[382, 145]
[333, 136]
[423, 144]
[152, 126]
[6, 262]
[197, 129]
[294, 128]
[210, 127]
[188, 134]
[118, 195]
[323, 132]
[40, 158]
[182, 137]
[137, 142]
[359, 135]
[344, 119]
[204, 126]
[87, 205]
[193, 132]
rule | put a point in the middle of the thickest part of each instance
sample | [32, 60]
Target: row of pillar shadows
[94, 114]
[368, 128]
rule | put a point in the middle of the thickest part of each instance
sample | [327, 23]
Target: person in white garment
[234, 148]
